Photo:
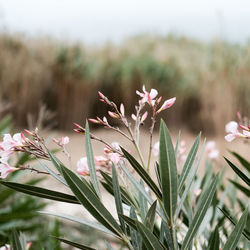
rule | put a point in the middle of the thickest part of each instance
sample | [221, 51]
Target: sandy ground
[76, 149]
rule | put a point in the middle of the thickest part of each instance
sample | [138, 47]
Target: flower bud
[122, 110]
[114, 115]
[94, 121]
[144, 116]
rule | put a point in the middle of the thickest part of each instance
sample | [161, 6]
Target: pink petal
[230, 137]
[232, 127]
[153, 93]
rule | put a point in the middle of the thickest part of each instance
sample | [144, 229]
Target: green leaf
[74, 244]
[150, 217]
[141, 189]
[143, 173]
[233, 221]
[165, 233]
[189, 162]
[56, 162]
[16, 243]
[135, 236]
[238, 172]
[90, 201]
[168, 171]
[90, 224]
[41, 192]
[148, 238]
[91, 162]
[190, 179]
[214, 241]
[143, 205]
[243, 161]
[129, 221]
[205, 201]
[234, 237]
[52, 173]
[109, 187]
[118, 199]
[243, 189]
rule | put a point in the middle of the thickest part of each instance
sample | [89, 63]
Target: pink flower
[62, 141]
[114, 157]
[213, 153]
[6, 169]
[82, 167]
[167, 104]
[10, 142]
[147, 96]
[233, 132]
[100, 160]
[5, 247]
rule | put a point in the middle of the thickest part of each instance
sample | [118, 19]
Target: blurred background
[55, 55]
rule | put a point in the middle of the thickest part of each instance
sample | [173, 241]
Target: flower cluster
[7, 147]
[19, 143]
[102, 162]
[232, 129]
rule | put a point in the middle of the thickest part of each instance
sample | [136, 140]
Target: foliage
[18, 211]
[176, 210]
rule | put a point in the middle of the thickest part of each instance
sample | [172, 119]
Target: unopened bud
[114, 115]
[94, 121]
[122, 110]
[133, 117]
[144, 116]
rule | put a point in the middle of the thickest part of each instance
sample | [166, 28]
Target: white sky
[95, 21]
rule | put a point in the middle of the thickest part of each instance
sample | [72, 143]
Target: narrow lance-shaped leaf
[148, 238]
[118, 199]
[74, 244]
[143, 205]
[81, 221]
[150, 217]
[243, 161]
[16, 244]
[143, 174]
[90, 201]
[141, 189]
[41, 192]
[109, 187]
[189, 162]
[243, 189]
[214, 241]
[238, 172]
[206, 199]
[168, 171]
[135, 236]
[190, 178]
[234, 237]
[91, 162]
[233, 221]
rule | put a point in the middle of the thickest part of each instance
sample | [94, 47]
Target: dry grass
[211, 81]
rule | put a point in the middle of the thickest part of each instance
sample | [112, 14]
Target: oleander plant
[162, 204]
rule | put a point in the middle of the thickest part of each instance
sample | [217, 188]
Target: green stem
[136, 147]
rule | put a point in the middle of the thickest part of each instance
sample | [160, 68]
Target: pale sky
[97, 21]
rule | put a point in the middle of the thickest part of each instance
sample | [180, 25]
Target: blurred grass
[210, 80]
